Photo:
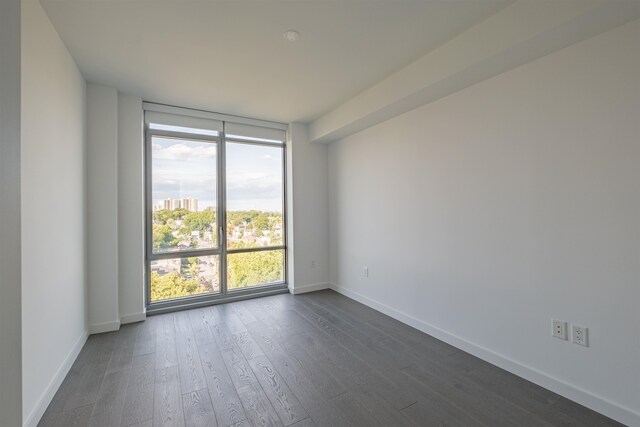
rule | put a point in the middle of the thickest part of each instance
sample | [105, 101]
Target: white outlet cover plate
[580, 335]
[559, 329]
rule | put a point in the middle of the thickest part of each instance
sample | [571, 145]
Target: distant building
[190, 204]
[173, 204]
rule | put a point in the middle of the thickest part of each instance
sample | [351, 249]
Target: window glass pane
[254, 196]
[184, 194]
[183, 277]
[254, 268]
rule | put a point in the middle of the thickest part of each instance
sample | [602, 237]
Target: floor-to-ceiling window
[215, 207]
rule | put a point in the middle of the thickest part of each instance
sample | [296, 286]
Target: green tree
[200, 221]
[253, 268]
[163, 237]
[171, 285]
[164, 215]
[193, 268]
[260, 223]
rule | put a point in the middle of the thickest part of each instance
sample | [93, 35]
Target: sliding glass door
[215, 210]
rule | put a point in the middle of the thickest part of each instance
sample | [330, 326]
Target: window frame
[224, 294]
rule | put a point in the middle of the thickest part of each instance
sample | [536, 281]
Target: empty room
[319, 213]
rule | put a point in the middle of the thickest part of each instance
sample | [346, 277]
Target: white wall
[102, 207]
[131, 302]
[518, 33]
[486, 213]
[308, 219]
[54, 317]
[10, 307]
[115, 208]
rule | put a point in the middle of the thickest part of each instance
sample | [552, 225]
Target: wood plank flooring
[317, 359]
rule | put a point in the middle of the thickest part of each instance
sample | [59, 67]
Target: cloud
[254, 186]
[188, 169]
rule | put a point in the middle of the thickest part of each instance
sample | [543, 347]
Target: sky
[184, 169]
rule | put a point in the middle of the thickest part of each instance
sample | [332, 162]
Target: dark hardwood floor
[317, 359]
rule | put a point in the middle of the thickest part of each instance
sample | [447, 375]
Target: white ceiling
[231, 56]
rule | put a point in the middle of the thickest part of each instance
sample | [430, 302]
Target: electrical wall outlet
[559, 329]
[580, 335]
[313, 263]
[366, 271]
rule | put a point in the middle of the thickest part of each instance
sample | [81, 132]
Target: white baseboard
[38, 411]
[309, 288]
[98, 328]
[599, 404]
[132, 318]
